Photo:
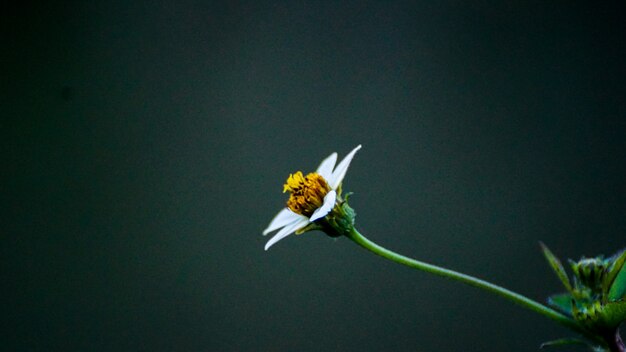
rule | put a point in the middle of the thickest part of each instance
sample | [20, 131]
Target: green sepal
[339, 190]
[310, 227]
[562, 302]
[616, 278]
[340, 221]
[598, 316]
[556, 265]
[564, 342]
[613, 314]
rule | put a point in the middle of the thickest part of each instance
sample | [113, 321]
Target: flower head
[312, 197]
[596, 295]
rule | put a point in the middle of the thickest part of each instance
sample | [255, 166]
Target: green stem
[535, 306]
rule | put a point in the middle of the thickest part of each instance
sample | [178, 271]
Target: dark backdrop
[146, 143]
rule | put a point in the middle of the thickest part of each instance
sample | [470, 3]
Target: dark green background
[146, 143]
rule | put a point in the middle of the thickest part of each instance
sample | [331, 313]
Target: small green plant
[595, 298]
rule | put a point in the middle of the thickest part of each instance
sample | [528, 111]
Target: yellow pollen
[307, 192]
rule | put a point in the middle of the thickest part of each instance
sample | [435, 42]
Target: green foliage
[590, 274]
[595, 297]
[562, 302]
[556, 265]
[616, 281]
[613, 313]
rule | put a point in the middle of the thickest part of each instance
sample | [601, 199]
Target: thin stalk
[517, 298]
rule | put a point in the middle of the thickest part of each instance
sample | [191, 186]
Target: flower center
[307, 192]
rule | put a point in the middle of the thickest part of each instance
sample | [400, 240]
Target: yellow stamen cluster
[307, 192]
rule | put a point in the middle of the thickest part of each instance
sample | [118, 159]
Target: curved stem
[526, 302]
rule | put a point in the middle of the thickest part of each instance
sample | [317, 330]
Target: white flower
[312, 197]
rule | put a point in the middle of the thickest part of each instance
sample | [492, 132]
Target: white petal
[329, 203]
[326, 167]
[283, 218]
[341, 169]
[286, 231]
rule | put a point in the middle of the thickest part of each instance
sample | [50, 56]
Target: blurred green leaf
[556, 265]
[617, 278]
[562, 302]
[613, 313]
